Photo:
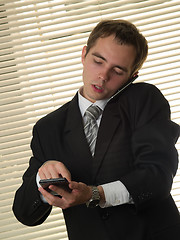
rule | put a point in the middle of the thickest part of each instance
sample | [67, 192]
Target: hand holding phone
[60, 182]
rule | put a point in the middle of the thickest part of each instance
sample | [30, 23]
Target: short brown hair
[125, 33]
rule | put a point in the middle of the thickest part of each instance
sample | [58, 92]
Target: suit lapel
[109, 123]
[75, 138]
[74, 129]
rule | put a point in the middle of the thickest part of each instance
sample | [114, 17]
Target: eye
[97, 61]
[117, 71]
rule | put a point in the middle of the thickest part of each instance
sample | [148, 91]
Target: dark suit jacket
[135, 145]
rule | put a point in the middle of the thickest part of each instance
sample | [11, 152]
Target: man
[120, 189]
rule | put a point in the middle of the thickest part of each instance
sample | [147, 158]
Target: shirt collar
[85, 103]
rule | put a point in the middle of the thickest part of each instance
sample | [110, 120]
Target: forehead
[114, 52]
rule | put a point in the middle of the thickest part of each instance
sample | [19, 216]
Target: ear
[135, 74]
[83, 55]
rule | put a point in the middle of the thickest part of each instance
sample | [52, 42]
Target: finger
[44, 172]
[45, 193]
[60, 191]
[42, 175]
[51, 199]
[61, 168]
[53, 170]
[48, 170]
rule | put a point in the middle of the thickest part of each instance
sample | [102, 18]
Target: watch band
[95, 199]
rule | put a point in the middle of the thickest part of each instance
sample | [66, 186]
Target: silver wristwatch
[95, 199]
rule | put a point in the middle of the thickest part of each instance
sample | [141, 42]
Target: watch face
[93, 203]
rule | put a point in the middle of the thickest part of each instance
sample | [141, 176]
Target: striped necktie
[91, 128]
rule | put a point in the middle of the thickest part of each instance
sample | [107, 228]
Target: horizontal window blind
[40, 70]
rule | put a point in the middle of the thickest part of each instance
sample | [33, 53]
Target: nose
[103, 76]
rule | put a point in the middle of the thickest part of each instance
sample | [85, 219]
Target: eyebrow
[104, 59]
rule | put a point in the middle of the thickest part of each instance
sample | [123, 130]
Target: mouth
[97, 88]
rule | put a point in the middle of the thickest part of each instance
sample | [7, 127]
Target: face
[106, 68]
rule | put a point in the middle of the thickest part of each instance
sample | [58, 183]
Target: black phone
[125, 85]
[60, 182]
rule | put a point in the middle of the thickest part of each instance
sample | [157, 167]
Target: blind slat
[40, 55]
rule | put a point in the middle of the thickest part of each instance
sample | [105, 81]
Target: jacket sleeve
[28, 206]
[155, 158]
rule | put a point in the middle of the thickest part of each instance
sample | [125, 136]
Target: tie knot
[93, 112]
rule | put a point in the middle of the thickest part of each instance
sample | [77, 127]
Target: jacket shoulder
[54, 116]
[142, 88]
[145, 94]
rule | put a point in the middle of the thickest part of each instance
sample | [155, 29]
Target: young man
[120, 190]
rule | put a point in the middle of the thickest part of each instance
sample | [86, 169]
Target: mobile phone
[126, 85]
[60, 182]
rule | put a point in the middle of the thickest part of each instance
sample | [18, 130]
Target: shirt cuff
[115, 194]
[37, 182]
